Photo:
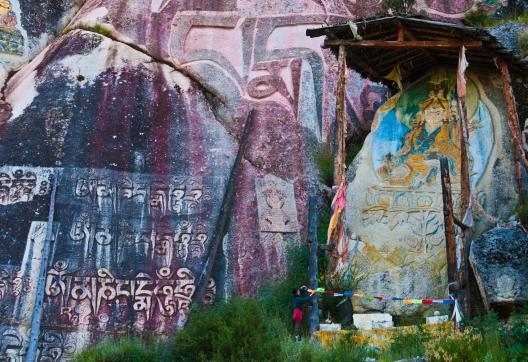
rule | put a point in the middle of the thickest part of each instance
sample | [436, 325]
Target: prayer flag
[395, 76]
[461, 73]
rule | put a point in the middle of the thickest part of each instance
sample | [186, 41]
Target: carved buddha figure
[276, 218]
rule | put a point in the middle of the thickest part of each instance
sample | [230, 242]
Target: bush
[234, 331]
[478, 18]
[124, 350]
[324, 160]
[522, 40]
[401, 7]
[276, 298]
[521, 210]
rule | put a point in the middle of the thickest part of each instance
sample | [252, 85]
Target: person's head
[296, 292]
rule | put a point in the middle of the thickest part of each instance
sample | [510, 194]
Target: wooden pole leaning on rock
[224, 214]
[449, 221]
[341, 118]
[313, 267]
[465, 185]
[513, 123]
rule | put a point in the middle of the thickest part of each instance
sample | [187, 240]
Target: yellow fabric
[334, 220]
[395, 76]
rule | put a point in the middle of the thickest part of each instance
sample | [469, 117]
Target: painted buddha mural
[11, 39]
[423, 125]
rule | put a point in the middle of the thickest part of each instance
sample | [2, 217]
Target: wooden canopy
[416, 44]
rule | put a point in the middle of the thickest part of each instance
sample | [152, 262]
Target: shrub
[522, 40]
[478, 18]
[401, 7]
[276, 298]
[123, 350]
[234, 331]
[324, 160]
[521, 210]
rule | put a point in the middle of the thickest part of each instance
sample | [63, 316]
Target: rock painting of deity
[11, 39]
[424, 125]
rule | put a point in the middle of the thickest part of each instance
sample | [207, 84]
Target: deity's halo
[408, 104]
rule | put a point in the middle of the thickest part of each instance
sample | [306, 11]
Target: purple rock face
[450, 6]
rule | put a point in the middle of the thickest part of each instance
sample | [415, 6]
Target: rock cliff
[120, 121]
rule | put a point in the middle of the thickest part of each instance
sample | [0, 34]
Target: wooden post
[513, 122]
[339, 162]
[401, 33]
[312, 244]
[465, 192]
[225, 213]
[449, 221]
[465, 187]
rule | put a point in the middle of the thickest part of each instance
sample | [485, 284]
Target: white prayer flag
[461, 74]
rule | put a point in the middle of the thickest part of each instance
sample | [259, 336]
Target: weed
[324, 160]
[521, 210]
[522, 40]
[398, 7]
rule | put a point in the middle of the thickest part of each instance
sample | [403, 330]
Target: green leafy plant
[127, 349]
[522, 40]
[398, 7]
[324, 160]
[478, 18]
[521, 210]
[234, 331]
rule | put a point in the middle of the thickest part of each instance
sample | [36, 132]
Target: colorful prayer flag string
[368, 297]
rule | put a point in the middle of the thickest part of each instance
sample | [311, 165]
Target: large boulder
[499, 259]
[394, 217]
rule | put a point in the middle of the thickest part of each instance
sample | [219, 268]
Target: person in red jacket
[299, 300]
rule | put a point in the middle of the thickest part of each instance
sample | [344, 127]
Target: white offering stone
[330, 327]
[373, 321]
[437, 319]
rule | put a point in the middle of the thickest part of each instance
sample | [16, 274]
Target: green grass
[324, 160]
[479, 18]
[522, 40]
[261, 330]
[97, 28]
[521, 210]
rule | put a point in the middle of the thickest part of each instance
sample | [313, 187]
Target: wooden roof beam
[411, 36]
[402, 44]
[363, 64]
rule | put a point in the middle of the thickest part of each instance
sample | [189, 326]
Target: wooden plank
[224, 214]
[313, 214]
[401, 33]
[464, 161]
[427, 53]
[363, 64]
[402, 44]
[449, 221]
[340, 117]
[513, 123]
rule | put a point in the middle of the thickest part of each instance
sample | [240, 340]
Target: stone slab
[373, 321]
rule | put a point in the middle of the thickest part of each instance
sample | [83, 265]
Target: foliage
[522, 40]
[97, 28]
[478, 18]
[521, 210]
[276, 298]
[124, 350]
[400, 7]
[234, 331]
[324, 160]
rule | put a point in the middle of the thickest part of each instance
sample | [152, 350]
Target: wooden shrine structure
[374, 47]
